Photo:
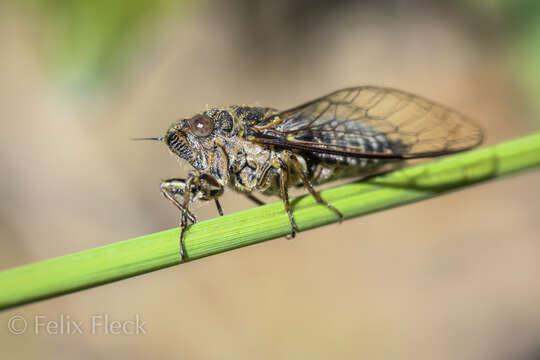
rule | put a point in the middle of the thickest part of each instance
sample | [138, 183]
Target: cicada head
[193, 138]
[190, 138]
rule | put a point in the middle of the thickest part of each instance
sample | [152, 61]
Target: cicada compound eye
[201, 125]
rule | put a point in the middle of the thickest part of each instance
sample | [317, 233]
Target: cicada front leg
[209, 188]
[173, 190]
[197, 187]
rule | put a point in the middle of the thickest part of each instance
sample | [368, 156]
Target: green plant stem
[147, 253]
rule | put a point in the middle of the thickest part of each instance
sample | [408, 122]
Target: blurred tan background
[453, 277]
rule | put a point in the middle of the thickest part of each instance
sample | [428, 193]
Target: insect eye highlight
[201, 125]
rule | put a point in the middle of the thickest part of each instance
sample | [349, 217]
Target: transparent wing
[370, 121]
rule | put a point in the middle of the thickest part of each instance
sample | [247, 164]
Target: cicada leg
[218, 206]
[307, 183]
[172, 189]
[283, 184]
[183, 227]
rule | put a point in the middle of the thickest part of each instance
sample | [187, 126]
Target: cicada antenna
[148, 138]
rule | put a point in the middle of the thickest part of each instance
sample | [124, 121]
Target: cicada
[348, 133]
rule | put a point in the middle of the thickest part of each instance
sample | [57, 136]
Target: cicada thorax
[243, 165]
[256, 167]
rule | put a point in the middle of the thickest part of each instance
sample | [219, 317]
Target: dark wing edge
[370, 122]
